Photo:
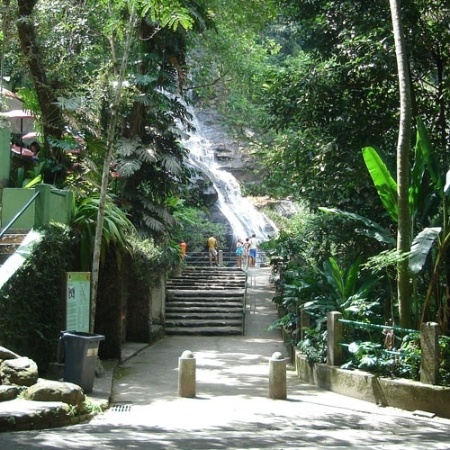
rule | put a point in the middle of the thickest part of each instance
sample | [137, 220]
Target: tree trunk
[111, 139]
[403, 150]
[52, 121]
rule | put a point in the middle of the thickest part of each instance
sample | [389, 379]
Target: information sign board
[78, 286]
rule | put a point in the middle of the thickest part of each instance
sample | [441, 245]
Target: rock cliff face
[232, 155]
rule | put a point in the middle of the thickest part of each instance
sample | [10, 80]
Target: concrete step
[204, 331]
[206, 301]
[194, 308]
[9, 243]
[209, 280]
[199, 293]
[217, 315]
[204, 322]
[206, 283]
[201, 308]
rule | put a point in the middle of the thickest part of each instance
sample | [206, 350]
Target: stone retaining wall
[398, 393]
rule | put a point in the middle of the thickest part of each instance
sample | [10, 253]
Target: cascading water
[244, 219]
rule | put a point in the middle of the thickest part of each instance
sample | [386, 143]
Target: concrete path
[232, 409]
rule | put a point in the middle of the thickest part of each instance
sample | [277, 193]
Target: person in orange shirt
[183, 247]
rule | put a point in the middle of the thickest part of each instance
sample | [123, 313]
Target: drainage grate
[120, 408]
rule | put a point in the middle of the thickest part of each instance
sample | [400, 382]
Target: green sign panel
[78, 288]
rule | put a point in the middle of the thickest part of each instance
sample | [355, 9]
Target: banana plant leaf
[351, 278]
[372, 229]
[423, 144]
[382, 179]
[447, 183]
[417, 171]
[335, 277]
[420, 248]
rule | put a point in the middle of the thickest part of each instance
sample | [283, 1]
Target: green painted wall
[13, 200]
[51, 205]
[5, 155]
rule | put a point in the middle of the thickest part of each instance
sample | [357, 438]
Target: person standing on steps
[183, 248]
[253, 250]
[239, 253]
[213, 245]
[246, 251]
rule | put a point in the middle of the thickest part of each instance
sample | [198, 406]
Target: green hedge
[31, 305]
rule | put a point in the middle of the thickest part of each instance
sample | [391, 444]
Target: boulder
[7, 354]
[8, 392]
[55, 391]
[22, 371]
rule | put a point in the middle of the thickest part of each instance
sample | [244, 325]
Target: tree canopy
[307, 83]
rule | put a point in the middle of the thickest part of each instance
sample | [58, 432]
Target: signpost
[78, 301]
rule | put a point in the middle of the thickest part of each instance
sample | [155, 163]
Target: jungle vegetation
[313, 89]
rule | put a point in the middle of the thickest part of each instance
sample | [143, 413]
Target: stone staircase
[206, 301]
[9, 243]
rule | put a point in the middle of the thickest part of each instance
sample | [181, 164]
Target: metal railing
[389, 333]
[16, 217]
[229, 259]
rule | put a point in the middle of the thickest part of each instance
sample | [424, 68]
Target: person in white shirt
[253, 250]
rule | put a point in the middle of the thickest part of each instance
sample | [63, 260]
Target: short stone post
[277, 377]
[186, 375]
[334, 338]
[220, 257]
[305, 322]
[429, 361]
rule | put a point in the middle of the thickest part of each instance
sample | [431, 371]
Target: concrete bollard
[277, 377]
[186, 375]
[334, 338]
[429, 361]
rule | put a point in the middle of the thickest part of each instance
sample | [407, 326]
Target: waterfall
[243, 217]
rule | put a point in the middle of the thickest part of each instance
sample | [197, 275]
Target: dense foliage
[31, 306]
[310, 86]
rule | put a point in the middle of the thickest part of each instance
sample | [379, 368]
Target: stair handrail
[24, 208]
[244, 306]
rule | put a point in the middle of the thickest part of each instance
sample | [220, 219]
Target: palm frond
[148, 154]
[171, 163]
[127, 147]
[127, 167]
[153, 224]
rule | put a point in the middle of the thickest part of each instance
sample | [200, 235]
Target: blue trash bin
[80, 352]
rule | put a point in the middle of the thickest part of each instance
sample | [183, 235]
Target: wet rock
[55, 391]
[7, 354]
[22, 371]
[8, 392]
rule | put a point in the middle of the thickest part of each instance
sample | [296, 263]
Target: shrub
[31, 302]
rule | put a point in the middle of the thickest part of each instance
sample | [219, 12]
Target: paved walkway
[232, 409]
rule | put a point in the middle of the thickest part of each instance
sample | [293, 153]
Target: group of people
[246, 252]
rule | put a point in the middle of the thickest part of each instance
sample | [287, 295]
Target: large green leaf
[334, 277]
[447, 183]
[420, 248]
[351, 278]
[423, 143]
[372, 229]
[382, 179]
[416, 178]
